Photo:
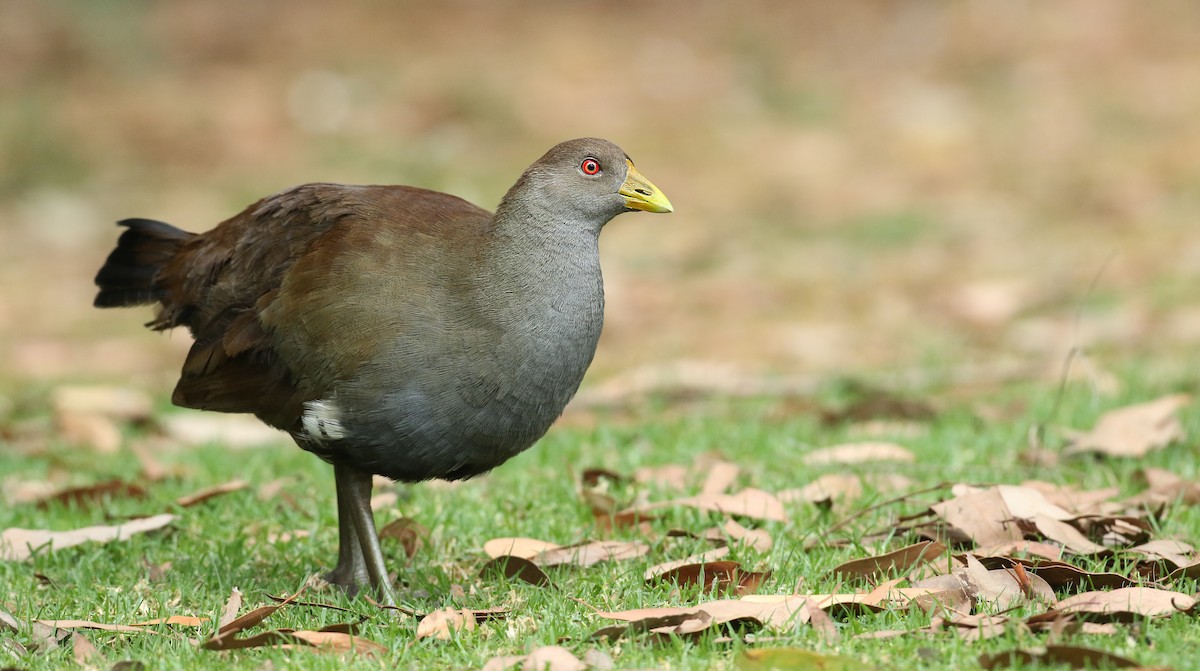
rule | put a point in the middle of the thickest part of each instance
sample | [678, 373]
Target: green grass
[222, 543]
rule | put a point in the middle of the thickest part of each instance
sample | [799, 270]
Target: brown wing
[218, 283]
[222, 282]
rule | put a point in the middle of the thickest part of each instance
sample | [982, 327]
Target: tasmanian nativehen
[390, 329]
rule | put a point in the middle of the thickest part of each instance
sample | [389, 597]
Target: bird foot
[347, 580]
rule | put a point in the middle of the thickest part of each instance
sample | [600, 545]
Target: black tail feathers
[128, 275]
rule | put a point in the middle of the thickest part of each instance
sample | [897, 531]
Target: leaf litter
[1017, 544]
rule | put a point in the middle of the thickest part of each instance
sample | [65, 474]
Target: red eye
[590, 166]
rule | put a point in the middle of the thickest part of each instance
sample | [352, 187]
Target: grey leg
[351, 571]
[356, 485]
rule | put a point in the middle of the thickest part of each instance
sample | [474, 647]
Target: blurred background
[860, 187]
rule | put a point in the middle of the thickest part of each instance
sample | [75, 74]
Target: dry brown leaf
[254, 617]
[322, 641]
[526, 548]
[825, 490]
[672, 476]
[1072, 540]
[443, 623]
[20, 544]
[92, 430]
[1134, 430]
[1004, 588]
[708, 573]
[1027, 503]
[517, 568]
[1076, 501]
[177, 620]
[552, 658]
[859, 453]
[897, 561]
[1059, 574]
[658, 570]
[79, 496]
[410, 533]
[1011, 548]
[152, 469]
[777, 614]
[749, 502]
[502, 662]
[19, 491]
[230, 431]
[1076, 657]
[1173, 553]
[1126, 602]
[116, 402]
[588, 554]
[974, 627]
[721, 476]
[232, 606]
[757, 539]
[211, 492]
[89, 624]
[84, 652]
[980, 516]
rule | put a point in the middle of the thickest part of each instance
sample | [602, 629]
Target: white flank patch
[322, 421]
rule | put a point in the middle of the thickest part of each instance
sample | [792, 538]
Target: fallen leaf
[1076, 501]
[672, 477]
[117, 402]
[1002, 588]
[721, 476]
[795, 659]
[552, 658]
[20, 544]
[1134, 430]
[1125, 603]
[526, 548]
[92, 430]
[177, 620]
[232, 606]
[1061, 575]
[749, 502]
[981, 516]
[89, 624]
[588, 554]
[658, 570]
[210, 492]
[859, 453]
[78, 496]
[1072, 540]
[757, 539]
[411, 534]
[1032, 548]
[442, 623]
[518, 568]
[253, 618]
[825, 490]
[780, 613]
[895, 562]
[1076, 657]
[84, 652]
[230, 431]
[706, 570]
[324, 641]
[1167, 487]
[975, 627]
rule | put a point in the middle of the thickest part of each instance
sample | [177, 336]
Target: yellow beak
[640, 194]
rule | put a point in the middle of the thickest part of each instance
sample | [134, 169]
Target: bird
[390, 330]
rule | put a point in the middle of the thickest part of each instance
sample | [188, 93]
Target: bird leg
[358, 542]
[351, 571]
